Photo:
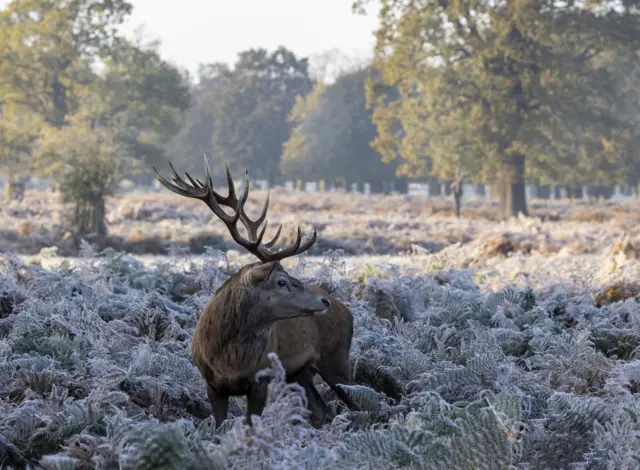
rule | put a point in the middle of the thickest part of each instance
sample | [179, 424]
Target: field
[478, 344]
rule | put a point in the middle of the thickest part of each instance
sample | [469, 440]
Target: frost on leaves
[95, 372]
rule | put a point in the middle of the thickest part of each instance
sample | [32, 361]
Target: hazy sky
[201, 31]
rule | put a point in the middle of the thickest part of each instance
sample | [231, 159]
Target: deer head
[267, 292]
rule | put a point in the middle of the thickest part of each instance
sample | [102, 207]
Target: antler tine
[207, 173]
[253, 225]
[194, 181]
[206, 193]
[177, 180]
[232, 201]
[295, 249]
[263, 251]
[232, 187]
[179, 187]
[273, 241]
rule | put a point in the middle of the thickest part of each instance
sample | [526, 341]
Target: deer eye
[281, 283]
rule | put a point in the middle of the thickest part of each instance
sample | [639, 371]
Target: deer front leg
[316, 403]
[219, 405]
[340, 376]
[256, 399]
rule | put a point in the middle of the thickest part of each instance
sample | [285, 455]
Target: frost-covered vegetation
[465, 359]
[148, 223]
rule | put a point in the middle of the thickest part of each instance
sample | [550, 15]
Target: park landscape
[478, 343]
[497, 331]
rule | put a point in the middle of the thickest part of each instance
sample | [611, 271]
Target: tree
[251, 116]
[506, 89]
[193, 140]
[45, 66]
[146, 95]
[84, 123]
[87, 158]
[18, 132]
[622, 167]
[132, 109]
[332, 135]
[46, 47]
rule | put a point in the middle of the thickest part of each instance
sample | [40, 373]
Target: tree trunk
[14, 188]
[512, 189]
[90, 217]
[401, 185]
[98, 222]
[456, 190]
[557, 194]
[60, 106]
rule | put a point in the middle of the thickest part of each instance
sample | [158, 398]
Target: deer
[262, 309]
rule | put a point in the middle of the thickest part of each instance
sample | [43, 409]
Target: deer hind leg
[316, 403]
[219, 405]
[339, 372]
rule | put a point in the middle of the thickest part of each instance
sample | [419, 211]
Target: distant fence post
[310, 186]
[418, 189]
[530, 191]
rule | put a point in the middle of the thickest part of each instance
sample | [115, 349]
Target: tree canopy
[507, 90]
[78, 98]
[333, 134]
[47, 49]
[250, 115]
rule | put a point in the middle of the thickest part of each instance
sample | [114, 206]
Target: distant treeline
[489, 93]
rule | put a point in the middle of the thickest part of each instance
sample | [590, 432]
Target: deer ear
[261, 272]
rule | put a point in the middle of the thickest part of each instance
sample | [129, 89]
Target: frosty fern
[95, 372]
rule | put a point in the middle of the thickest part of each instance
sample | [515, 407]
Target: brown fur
[262, 309]
[236, 331]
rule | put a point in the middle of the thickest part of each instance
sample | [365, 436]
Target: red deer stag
[262, 309]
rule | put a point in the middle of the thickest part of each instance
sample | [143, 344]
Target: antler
[206, 193]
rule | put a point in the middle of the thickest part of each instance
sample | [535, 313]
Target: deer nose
[326, 302]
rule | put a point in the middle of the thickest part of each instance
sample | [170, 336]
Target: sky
[204, 31]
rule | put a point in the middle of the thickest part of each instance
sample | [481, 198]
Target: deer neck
[250, 336]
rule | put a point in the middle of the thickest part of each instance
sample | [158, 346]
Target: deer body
[262, 309]
[230, 346]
